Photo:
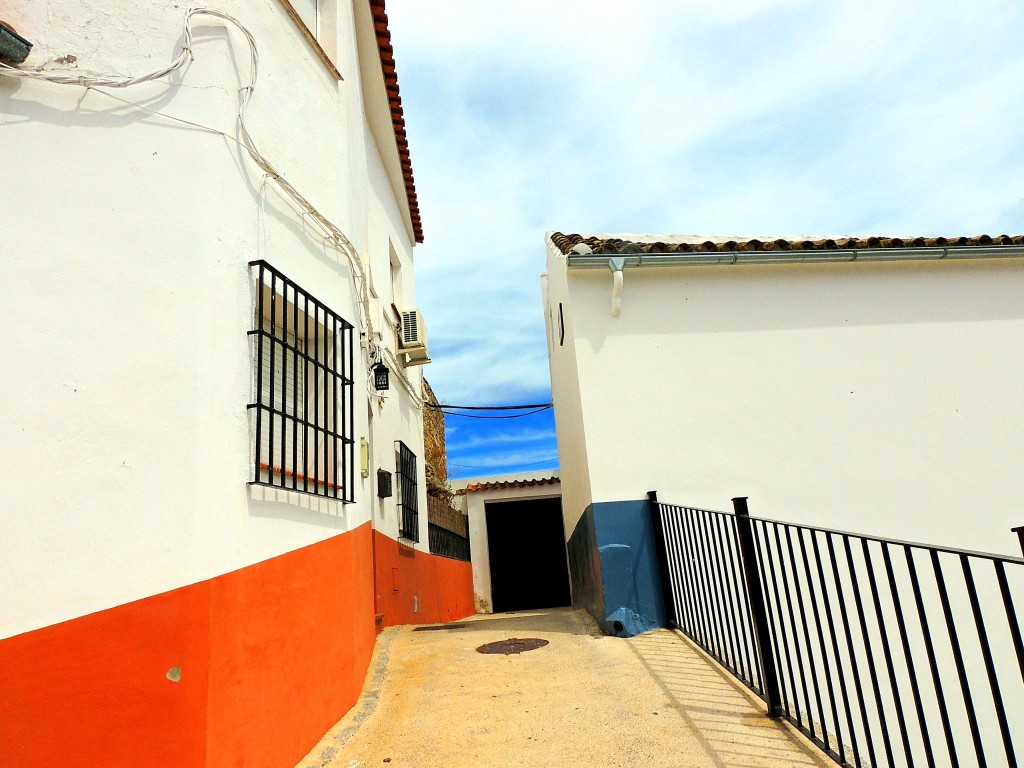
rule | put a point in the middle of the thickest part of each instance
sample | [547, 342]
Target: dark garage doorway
[526, 540]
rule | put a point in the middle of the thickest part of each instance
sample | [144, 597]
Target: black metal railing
[302, 405]
[883, 652]
[447, 543]
[408, 493]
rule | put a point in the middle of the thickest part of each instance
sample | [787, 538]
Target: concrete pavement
[584, 699]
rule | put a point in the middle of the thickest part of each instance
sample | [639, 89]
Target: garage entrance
[526, 542]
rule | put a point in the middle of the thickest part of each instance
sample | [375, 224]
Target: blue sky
[725, 117]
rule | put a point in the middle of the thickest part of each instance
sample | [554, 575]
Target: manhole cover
[513, 645]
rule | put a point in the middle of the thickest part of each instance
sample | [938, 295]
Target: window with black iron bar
[447, 543]
[302, 409]
[408, 495]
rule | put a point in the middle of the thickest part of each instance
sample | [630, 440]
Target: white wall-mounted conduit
[327, 230]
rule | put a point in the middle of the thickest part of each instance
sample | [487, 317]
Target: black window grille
[408, 495]
[302, 408]
[447, 543]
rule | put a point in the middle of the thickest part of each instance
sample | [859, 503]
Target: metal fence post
[1019, 530]
[757, 608]
[662, 552]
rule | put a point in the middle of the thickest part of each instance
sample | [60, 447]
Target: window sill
[300, 478]
[312, 40]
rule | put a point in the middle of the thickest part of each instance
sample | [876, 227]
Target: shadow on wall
[296, 507]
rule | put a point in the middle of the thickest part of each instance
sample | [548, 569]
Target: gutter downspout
[616, 264]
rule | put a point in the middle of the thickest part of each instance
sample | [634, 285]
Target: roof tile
[616, 246]
[493, 486]
[387, 64]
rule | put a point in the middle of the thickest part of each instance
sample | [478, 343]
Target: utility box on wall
[383, 484]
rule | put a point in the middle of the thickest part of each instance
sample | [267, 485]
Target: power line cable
[445, 406]
[512, 416]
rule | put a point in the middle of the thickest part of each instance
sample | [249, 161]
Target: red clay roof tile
[512, 484]
[387, 63]
[614, 245]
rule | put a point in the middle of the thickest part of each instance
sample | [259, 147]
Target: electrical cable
[443, 406]
[331, 234]
[513, 416]
[397, 366]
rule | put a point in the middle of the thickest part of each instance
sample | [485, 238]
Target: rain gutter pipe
[581, 258]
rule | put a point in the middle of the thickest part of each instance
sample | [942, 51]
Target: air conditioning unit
[412, 337]
[413, 332]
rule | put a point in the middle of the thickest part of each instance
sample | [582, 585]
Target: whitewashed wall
[565, 392]
[883, 398]
[126, 299]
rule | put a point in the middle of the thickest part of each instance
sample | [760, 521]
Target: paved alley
[581, 700]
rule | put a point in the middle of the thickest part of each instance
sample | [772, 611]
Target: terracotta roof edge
[623, 244]
[388, 70]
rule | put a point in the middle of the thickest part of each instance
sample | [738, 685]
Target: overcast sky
[725, 117]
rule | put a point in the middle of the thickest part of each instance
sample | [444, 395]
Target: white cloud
[508, 461]
[753, 116]
[529, 435]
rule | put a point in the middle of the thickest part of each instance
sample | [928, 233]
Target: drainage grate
[439, 626]
[513, 645]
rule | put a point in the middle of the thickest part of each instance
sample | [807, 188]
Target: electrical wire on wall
[499, 412]
[331, 234]
[453, 410]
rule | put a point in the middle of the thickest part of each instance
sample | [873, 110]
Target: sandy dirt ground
[584, 699]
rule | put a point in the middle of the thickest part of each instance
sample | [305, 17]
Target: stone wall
[439, 495]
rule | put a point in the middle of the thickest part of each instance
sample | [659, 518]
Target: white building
[869, 384]
[521, 515]
[196, 534]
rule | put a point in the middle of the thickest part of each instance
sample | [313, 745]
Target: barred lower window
[408, 492]
[301, 412]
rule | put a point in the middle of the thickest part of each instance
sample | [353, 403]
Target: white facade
[882, 397]
[126, 366]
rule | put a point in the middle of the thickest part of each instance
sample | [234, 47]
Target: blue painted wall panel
[633, 601]
[613, 568]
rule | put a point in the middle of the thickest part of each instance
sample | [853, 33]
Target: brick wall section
[441, 512]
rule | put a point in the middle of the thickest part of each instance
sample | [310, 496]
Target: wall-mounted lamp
[14, 48]
[381, 377]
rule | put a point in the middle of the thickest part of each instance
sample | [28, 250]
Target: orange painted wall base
[414, 587]
[269, 657]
